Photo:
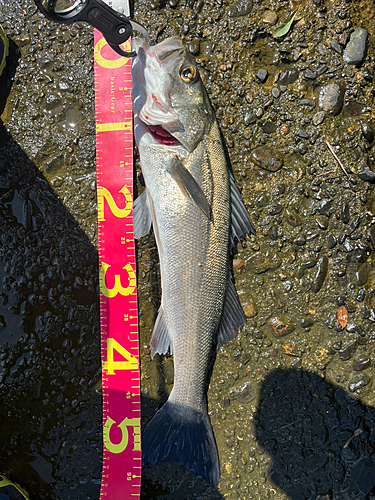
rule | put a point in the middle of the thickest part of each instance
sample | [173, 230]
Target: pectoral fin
[189, 186]
[241, 223]
[142, 216]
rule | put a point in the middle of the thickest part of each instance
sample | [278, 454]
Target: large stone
[331, 98]
[355, 51]
[241, 8]
[267, 158]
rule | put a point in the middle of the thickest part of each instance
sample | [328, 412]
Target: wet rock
[344, 213]
[245, 358]
[361, 276]
[322, 222]
[269, 127]
[250, 309]
[275, 92]
[279, 298]
[262, 75]
[367, 175]
[331, 98]
[267, 158]
[332, 242]
[280, 328]
[309, 75]
[361, 295]
[237, 264]
[275, 209]
[358, 381]
[293, 218]
[306, 102]
[362, 252]
[320, 275]
[301, 133]
[318, 118]
[244, 393]
[289, 77]
[361, 364]
[300, 241]
[322, 69]
[336, 47]
[367, 132]
[347, 352]
[194, 47]
[249, 118]
[241, 8]
[269, 17]
[262, 262]
[307, 322]
[355, 51]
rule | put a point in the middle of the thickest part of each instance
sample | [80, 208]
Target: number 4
[111, 365]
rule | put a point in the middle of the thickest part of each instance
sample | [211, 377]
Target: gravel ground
[292, 398]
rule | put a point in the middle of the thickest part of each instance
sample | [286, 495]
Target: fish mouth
[162, 136]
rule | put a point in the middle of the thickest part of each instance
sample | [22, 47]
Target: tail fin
[180, 434]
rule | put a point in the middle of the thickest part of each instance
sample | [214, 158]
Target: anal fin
[233, 318]
[160, 338]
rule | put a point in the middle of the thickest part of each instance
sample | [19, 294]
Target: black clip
[115, 27]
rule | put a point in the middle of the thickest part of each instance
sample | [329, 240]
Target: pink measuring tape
[121, 479]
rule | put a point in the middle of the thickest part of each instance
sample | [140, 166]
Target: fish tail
[184, 435]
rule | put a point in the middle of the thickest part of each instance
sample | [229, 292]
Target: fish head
[169, 99]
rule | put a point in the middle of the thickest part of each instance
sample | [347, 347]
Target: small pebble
[361, 364]
[332, 242]
[280, 328]
[194, 47]
[269, 17]
[301, 133]
[275, 92]
[321, 274]
[367, 132]
[309, 75]
[322, 69]
[305, 102]
[318, 118]
[358, 381]
[262, 75]
[336, 47]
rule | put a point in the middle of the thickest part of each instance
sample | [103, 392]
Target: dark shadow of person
[321, 440]
[50, 373]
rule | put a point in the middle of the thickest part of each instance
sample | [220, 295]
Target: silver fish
[196, 212]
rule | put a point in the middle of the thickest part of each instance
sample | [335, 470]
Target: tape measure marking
[121, 477]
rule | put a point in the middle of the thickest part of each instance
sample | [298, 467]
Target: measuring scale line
[117, 276]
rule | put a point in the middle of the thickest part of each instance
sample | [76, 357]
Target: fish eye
[189, 74]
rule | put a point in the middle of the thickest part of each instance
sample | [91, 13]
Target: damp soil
[292, 398]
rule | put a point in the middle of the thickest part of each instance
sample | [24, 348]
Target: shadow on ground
[321, 440]
[50, 399]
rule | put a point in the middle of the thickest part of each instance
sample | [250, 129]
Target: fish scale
[188, 197]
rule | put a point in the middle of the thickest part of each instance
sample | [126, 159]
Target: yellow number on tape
[117, 288]
[117, 212]
[110, 63]
[111, 365]
[121, 446]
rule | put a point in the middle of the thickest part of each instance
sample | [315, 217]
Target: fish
[197, 214]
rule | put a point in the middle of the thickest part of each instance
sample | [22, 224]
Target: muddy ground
[292, 398]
